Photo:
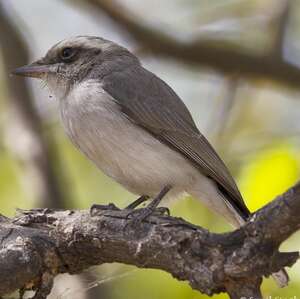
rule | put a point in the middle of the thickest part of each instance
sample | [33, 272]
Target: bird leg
[139, 215]
[137, 202]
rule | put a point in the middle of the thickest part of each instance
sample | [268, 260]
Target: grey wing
[152, 104]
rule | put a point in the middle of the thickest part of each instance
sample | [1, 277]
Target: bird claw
[161, 211]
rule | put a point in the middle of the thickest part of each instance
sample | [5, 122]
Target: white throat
[59, 87]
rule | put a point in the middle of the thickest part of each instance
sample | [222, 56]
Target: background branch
[39, 244]
[282, 23]
[216, 53]
[25, 137]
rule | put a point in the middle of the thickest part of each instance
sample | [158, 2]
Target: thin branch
[281, 22]
[39, 244]
[220, 119]
[218, 54]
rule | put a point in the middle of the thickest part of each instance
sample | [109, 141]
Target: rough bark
[38, 244]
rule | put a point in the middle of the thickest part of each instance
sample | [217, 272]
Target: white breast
[123, 151]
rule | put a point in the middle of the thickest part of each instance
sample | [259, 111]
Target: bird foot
[136, 217]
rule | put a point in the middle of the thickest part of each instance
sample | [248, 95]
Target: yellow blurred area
[156, 284]
[269, 173]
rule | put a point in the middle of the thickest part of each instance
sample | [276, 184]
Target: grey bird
[135, 128]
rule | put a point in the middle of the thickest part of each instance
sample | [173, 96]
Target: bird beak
[34, 70]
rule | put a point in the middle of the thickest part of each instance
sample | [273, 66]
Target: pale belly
[126, 152]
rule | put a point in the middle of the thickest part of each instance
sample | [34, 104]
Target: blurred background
[236, 65]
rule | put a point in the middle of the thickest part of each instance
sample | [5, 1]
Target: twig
[282, 23]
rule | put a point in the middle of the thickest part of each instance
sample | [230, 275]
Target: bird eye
[67, 54]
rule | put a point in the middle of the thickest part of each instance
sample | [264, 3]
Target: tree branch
[39, 244]
[282, 23]
[219, 54]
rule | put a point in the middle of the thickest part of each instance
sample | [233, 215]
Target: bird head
[73, 60]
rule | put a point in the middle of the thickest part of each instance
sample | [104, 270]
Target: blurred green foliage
[12, 191]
